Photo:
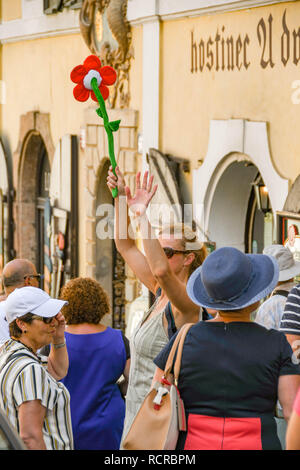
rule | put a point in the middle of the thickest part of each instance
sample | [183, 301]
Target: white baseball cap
[30, 300]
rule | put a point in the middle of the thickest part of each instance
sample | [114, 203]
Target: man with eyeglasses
[16, 273]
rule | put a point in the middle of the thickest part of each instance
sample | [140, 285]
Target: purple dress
[97, 408]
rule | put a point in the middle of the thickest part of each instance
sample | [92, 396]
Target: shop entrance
[235, 218]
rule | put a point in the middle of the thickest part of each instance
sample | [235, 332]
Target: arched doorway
[232, 141]
[33, 189]
[234, 217]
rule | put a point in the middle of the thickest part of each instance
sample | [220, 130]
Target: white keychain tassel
[160, 393]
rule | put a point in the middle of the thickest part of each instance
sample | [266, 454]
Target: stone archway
[34, 138]
[235, 140]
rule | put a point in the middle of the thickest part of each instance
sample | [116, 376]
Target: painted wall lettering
[223, 51]
[264, 34]
[219, 52]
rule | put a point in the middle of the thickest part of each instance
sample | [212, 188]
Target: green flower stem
[107, 127]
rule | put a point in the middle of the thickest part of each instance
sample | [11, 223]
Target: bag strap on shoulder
[172, 329]
[170, 319]
[177, 347]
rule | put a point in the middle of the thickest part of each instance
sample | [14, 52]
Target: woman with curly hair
[98, 357]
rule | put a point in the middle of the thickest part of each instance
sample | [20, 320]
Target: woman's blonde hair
[189, 242]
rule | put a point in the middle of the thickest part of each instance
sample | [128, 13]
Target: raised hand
[139, 202]
[58, 336]
[114, 181]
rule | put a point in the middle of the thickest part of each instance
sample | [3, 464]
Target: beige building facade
[210, 102]
[221, 90]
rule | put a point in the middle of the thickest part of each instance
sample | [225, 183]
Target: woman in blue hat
[233, 370]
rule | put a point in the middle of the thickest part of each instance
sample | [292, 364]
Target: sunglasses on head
[169, 252]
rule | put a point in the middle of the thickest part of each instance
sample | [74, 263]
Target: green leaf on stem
[98, 111]
[114, 125]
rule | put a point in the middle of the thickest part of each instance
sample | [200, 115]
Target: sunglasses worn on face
[46, 320]
[35, 276]
[169, 252]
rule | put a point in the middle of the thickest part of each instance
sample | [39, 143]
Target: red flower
[82, 74]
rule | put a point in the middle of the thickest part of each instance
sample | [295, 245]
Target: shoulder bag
[161, 415]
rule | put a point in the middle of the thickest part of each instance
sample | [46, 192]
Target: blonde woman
[164, 269]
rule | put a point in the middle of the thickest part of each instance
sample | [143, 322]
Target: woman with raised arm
[164, 269]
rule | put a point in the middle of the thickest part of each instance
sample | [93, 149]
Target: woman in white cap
[233, 370]
[36, 404]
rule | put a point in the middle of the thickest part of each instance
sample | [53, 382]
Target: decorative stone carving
[107, 34]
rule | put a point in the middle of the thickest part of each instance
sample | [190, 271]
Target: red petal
[78, 73]
[108, 74]
[81, 93]
[104, 92]
[92, 62]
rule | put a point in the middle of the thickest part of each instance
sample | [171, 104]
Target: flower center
[87, 79]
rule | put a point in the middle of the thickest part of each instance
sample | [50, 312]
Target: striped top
[24, 377]
[290, 323]
[271, 310]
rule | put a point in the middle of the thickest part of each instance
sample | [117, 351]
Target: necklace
[27, 347]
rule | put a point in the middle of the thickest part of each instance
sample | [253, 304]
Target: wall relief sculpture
[106, 32]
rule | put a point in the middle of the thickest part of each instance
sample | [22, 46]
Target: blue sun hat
[229, 279]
